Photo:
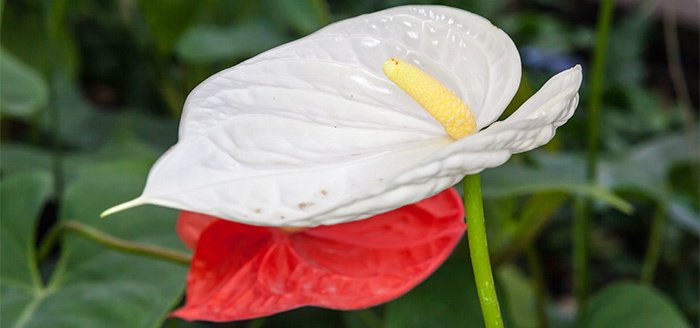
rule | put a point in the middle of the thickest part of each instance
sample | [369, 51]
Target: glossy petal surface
[312, 133]
[241, 271]
[531, 126]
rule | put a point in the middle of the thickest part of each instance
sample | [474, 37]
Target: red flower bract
[241, 271]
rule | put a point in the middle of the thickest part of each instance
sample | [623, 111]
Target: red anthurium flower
[241, 271]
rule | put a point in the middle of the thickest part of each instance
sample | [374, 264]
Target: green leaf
[209, 43]
[519, 295]
[27, 40]
[305, 16]
[538, 29]
[645, 169]
[625, 56]
[684, 216]
[514, 179]
[17, 157]
[180, 323]
[61, 48]
[167, 19]
[80, 124]
[22, 197]
[647, 166]
[640, 114]
[448, 298]
[306, 317]
[625, 305]
[22, 157]
[93, 286]
[25, 25]
[160, 132]
[23, 90]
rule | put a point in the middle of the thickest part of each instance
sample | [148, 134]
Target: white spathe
[313, 133]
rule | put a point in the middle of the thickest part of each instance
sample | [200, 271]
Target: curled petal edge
[532, 125]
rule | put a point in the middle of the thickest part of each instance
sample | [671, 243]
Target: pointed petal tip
[578, 69]
[121, 207]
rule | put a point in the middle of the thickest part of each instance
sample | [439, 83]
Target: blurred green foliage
[90, 95]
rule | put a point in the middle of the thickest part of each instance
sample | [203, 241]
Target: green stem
[580, 251]
[651, 259]
[533, 263]
[596, 96]
[52, 17]
[48, 242]
[110, 241]
[580, 228]
[479, 252]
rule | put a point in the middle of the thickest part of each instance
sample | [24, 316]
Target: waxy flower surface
[313, 133]
[241, 271]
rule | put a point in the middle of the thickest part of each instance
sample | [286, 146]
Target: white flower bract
[313, 133]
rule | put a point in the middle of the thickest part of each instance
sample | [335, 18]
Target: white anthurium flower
[313, 133]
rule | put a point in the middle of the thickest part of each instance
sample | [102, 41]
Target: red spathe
[241, 271]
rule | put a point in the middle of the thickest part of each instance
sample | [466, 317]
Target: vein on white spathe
[312, 132]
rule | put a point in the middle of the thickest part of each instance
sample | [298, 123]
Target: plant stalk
[656, 238]
[595, 102]
[582, 213]
[580, 239]
[537, 280]
[479, 252]
[122, 245]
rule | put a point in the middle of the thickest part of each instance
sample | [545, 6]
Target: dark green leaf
[515, 179]
[305, 16]
[23, 89]
[22, 197]
[26, 24]
[645, 169]
[684, 216]
[520, 296]
[97, 287]
[23, 157]
[306, 317]
[167, 19]
[625, 305]
[80, 124]
[448, 298]
[624, 60]
[208, 43]
[539, 30]
[647, 165]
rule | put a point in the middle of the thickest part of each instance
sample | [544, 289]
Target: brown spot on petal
[305, 205]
